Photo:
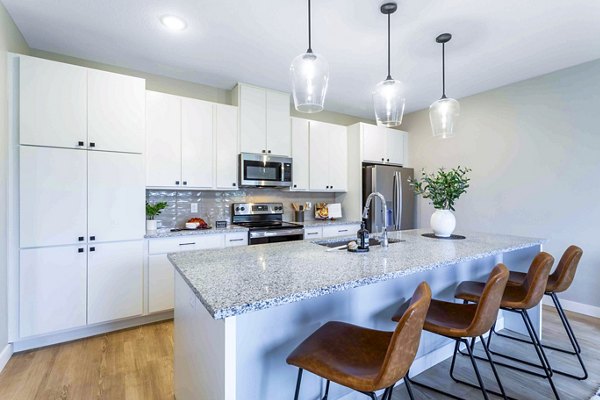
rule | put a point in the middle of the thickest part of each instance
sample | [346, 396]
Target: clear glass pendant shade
[389, 100]
[443, 115]
[310, 75]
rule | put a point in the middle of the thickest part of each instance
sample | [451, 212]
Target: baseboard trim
[580, 308]
[5, 355]
[88, 331]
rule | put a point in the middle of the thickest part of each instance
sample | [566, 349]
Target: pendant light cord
[389, 76]
[443, 70]
[309, 31]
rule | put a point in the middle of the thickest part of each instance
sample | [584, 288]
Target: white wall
[534, 147]
[10, 40]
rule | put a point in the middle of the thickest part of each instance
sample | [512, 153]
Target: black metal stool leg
[489, 356]
[409, 388]
[479, 379]
[326, 390]
[298, 381]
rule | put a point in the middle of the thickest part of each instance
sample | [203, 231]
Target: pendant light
[310, 75]
[444, 112]
[388, 97]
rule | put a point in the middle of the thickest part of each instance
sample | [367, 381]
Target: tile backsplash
[214, 206]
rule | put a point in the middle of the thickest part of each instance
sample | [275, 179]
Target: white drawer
[313, 233]
[340, 230]
[236, 239]
[185, 243]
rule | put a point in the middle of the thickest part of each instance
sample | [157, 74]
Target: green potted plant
[442, 188]
[153, 210]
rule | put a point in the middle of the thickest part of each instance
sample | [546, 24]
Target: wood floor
[138, 364]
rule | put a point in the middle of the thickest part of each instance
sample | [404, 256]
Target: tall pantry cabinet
[81, 196]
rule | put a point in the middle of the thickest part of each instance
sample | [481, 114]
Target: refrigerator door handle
[399, 199]
[395, 201]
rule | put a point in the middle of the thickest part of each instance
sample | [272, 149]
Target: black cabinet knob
[331, 187]
[92, 249]
[234, 184]
[264, 151]
[295, 186]
[326, 187]
[185, 182]
[92, 144]
[80, 143]
[80, 250]
[383, 159]
[80, 238]
[92, 237]
[177, 182]
[269, 151]
[388, 160]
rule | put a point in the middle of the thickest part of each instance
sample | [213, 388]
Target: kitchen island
[239, 312]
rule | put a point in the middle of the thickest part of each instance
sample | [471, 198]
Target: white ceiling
[495, 42]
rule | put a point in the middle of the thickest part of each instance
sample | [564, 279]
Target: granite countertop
[166, 233]
[327, 222]
[243, 279]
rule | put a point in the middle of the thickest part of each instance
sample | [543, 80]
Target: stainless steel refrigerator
[392, 183]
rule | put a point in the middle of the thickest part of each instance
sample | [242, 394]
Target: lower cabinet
[115, 281]
[52, 289]
[329, 231]
[160, 283]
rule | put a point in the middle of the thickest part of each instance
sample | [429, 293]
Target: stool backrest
[405, 341]
[489, 302]
[563, 276]
[536, 280]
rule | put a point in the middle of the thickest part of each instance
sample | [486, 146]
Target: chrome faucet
[384, 237]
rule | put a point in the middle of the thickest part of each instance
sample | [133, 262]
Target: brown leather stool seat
[363, 359]
[460, 321]
[519, 298]
[558, 281]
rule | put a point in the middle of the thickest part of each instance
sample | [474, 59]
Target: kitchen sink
[343, 242]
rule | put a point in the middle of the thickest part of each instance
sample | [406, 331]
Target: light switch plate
[194, 207]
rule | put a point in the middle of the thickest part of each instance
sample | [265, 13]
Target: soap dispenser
[363, 237]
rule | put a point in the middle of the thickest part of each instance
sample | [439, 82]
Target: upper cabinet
[328, 146]
[190, 143]
[380, 144]
[300, 154]
[63, 105]
[264, 120]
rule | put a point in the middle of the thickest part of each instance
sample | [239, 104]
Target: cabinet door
[374, 143]
[319, 156]
[53, 196]
[395, 146]
[115, 278]
[116, 194]
[338, 162]
[340, 230]
[52, 289]
[161, 295]
[116, 112]
[279, 135]
[163, 140]
[253, 121]
[226, 121]
[53, 103]
[300, 154]
[197, 150]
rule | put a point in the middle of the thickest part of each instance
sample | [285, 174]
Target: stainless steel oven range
[265, 223]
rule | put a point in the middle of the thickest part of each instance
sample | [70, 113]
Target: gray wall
[534, 147]
[11, 40]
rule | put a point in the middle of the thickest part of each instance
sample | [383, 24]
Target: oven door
[258, 170]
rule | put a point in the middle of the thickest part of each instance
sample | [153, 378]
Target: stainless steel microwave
[265, 170]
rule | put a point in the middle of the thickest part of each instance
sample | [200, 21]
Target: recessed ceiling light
[173, 23]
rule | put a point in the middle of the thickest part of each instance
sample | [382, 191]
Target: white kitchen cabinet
[226, 120]
[340, 230]
[235, 239]
[52, 103]
[264, 123]
[116, 195]
[115, 280]
[52, 289]
[53, 196]
[328, 157]
[382, 145]
[116, 112]
[160, 283]
[395, 144]
[300, 154]
[163, 140]
[197, 151]
[313, 232]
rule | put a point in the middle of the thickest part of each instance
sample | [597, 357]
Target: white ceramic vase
[443, 223]
[151, 224]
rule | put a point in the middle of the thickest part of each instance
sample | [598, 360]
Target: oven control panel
[256, 208]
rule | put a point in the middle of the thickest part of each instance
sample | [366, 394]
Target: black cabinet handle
[187, 244]
[295, 185]
[80, 143]
[234, 184]
[236, 240]
[343, 230]
[92, 249]
[177, 182]
[383, 159]
[92, 144]
[92, 237]
[80, 250]
[331, 187]
[269, 151]
[80, 238]
[185, 182]
[388, 160]
[264, 151]
[312, 233]
[326, 187]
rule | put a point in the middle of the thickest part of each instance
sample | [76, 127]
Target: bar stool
[559, 281]
[460, 321]
[362, 359]
[519, 299]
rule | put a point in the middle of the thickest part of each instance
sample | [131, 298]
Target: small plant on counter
[153, 210]
[442, 188]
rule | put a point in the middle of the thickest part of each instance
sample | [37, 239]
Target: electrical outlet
[194, 207]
